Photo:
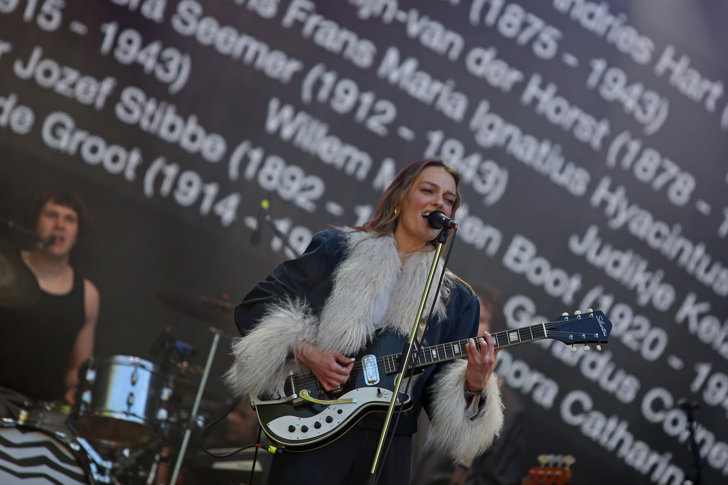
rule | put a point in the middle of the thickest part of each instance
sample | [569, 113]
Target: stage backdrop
[591, 137]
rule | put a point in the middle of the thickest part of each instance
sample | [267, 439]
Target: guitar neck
[436, 354]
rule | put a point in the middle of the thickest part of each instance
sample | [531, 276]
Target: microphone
[262, 216]
[687, 405]
[161, 343]
[45, 242]
[438, 220]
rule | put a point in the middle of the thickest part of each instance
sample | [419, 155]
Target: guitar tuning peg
[586, 348]
[573, 349]
[565, 314]
[599, 347]
[590, 310]
[577, 312]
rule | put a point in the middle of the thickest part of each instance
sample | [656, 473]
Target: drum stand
[195, 407]
[94, 460]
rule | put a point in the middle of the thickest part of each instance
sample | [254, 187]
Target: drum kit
[132, 418]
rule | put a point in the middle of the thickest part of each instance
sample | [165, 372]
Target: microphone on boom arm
[437, 220]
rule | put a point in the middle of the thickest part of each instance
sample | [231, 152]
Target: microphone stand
[689, 409]
[196, 406]
[406, 358]
[276, 232]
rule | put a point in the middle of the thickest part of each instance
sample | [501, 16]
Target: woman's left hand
[481, 363]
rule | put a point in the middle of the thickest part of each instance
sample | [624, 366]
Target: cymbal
[186, 386]
[218, 313]
[18, 236]
[18, 285]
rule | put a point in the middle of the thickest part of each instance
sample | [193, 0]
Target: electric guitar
[309, 417]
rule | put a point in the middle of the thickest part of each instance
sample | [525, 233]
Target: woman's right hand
[331, 368]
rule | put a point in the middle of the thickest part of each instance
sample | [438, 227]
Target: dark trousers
[346, 461]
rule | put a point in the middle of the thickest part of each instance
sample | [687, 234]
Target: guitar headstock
[553, 470]
[580, 328]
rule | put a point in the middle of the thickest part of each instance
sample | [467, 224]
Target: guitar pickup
[370, 369]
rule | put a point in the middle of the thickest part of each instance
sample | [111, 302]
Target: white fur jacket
[335, 296]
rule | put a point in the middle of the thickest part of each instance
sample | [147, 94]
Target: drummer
[42, 346]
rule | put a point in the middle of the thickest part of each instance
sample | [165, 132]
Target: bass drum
[122, 402]
[39, 448]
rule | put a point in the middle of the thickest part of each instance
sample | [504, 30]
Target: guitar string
[447, 349]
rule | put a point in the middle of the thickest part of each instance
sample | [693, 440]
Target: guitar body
[301, 425]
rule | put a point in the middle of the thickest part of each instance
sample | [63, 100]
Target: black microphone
[438, 220]
[262, 216]
[45, 242]
[687, 405]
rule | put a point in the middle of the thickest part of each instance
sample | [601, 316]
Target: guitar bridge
[290, 387]
[370, 369]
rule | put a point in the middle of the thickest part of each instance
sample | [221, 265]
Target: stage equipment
[218, 313]
[39, 444]
[122, 401]
[18, 285]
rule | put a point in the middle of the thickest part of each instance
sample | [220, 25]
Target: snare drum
[39, 447]
[122, 401]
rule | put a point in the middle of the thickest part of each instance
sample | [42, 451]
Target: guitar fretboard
[454, 350]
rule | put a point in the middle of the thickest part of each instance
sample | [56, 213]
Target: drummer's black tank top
[36, 342]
